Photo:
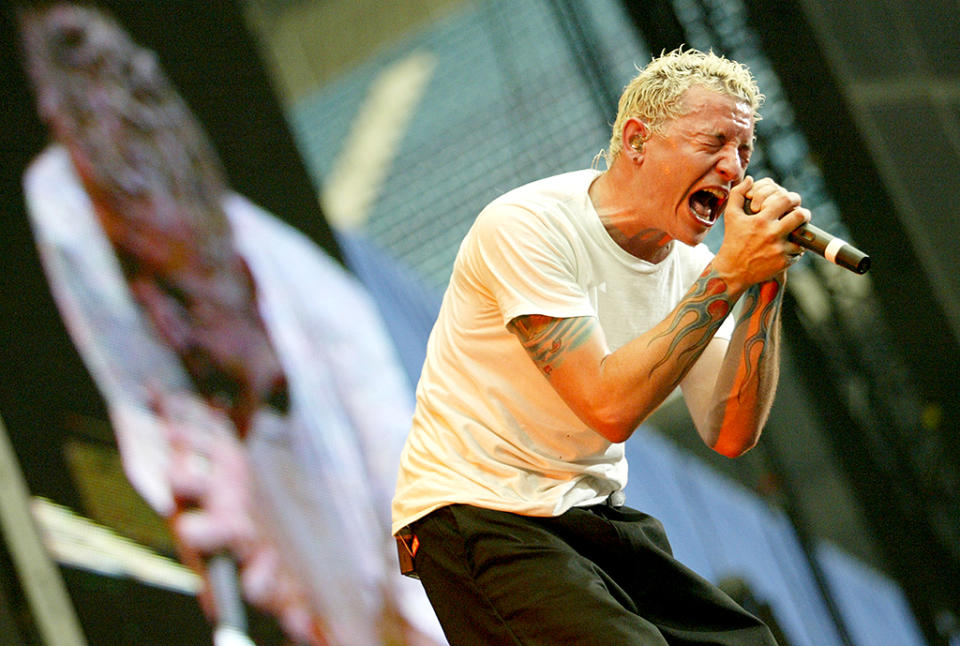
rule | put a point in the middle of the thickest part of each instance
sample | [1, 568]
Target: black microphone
[828, 246]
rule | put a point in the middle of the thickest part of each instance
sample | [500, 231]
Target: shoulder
[550, 190]
[551, 203]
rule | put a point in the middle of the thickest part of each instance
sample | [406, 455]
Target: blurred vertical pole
[44, 588]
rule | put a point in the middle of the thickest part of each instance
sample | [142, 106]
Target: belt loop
[407, 546]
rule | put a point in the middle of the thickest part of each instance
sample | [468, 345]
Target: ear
[635, 132]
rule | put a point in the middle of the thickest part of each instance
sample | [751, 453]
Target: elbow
[734, 437]
[733, 448]
[613, 427]
[615, 434]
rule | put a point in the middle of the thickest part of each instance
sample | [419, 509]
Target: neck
[625, 221]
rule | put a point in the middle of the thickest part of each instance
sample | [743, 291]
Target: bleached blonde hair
[655, 94]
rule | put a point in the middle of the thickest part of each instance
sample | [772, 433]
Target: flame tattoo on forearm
[758, 315]
[708, 303]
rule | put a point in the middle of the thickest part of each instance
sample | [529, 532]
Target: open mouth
[707, 204]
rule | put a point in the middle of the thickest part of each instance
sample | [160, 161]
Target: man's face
[690, 167]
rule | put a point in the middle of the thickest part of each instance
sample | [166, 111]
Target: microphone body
[838, 251]
[828, 246]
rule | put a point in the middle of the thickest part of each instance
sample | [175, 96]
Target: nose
[730, 164]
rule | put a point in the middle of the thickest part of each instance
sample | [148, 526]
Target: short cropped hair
[654, 95]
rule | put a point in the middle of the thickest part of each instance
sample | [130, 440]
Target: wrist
[727, 272]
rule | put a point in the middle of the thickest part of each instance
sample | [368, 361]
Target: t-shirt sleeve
[525, 262]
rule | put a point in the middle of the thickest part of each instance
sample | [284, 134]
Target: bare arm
[730, 391]
[613, 392]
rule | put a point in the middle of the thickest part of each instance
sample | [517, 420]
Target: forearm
[614, 392]
[658, 360]
[747, 382]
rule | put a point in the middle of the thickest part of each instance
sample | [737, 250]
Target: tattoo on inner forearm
[709, 303]
[762, 310]
[547, 344]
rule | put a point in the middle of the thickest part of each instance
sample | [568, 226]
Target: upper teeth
[716, 192]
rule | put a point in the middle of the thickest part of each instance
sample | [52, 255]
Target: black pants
[600, 575]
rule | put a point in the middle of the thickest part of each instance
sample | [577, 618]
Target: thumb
[738, 194]
[740, 191]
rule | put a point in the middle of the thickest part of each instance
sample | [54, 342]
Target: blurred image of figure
[256, 400]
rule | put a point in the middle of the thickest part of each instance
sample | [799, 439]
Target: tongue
[702, 204]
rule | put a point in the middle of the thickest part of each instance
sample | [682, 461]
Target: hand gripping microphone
[839, 252]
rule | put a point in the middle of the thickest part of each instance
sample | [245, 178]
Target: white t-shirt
[489, 430]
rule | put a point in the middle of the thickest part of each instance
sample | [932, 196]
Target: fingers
[742, 189]
[757, 235]
[210, 481]
[771, 199]
[789, 223]
[202, 532]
